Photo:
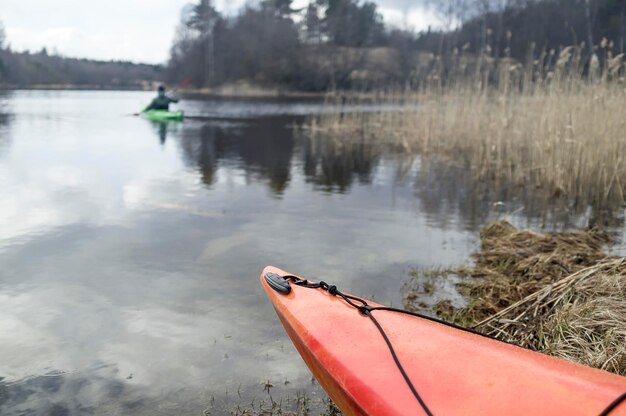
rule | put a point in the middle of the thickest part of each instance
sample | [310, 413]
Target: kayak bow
[456, 372]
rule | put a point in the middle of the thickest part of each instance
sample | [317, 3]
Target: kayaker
[162, 101]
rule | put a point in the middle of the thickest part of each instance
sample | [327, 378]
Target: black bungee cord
[280, 283]
[613, 405]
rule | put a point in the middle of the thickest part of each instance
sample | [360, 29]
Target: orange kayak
[454, 372]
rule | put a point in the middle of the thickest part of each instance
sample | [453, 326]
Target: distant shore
[189, 92]
[69, 87]
[226, 91]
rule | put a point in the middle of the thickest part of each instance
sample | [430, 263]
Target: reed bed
[558, 293]
[556, 125]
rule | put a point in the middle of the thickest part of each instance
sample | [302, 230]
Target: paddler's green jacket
[162, 102]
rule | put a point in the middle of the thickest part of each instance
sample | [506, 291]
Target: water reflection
[5, 119]
[62, 394]
[102, 391]
[267, 150]
[263, 148]
[449, 188]
[161, 128]
[333, 166]
[130, 251]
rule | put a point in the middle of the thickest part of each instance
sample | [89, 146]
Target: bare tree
[3, 36]
[589, 18]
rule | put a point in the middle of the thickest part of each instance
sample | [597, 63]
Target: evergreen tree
[313, 23]
[203, 19]
[349, 23]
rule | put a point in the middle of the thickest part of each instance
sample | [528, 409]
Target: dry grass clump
[555, 125]
[557, 293]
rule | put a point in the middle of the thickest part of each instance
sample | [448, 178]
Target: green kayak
[164, 115]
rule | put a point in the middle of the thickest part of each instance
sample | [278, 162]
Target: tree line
[311, 49]
[43, 69]
[344, 44]
[514, 27]
[336, 44]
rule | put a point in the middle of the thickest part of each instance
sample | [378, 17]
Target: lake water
[130, 251]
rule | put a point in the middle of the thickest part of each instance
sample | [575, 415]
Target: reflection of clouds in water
[217, 247]
[176, 331]
[141, 193]
[198, 351]
[57, 179]
[55, 195]
[105, 392]
[149, 264]
[43, 330]
[56, 393]
[102, 391]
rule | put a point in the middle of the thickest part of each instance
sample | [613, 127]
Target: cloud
[132, 45]
[412, 18]
[137, 30]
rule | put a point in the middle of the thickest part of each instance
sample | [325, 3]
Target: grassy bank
[558, 293]
[554, 126]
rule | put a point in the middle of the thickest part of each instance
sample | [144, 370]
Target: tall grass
[558, 293]
[556, 124]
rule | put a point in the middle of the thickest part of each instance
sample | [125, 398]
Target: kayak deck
[455, 372]
[164, 115]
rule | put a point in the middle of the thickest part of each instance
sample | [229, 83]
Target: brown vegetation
[555, 126]
[558, 293]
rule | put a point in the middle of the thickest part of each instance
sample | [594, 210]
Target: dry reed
[556, 125]
[557, 293]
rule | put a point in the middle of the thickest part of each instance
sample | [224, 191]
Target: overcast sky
[136, 30]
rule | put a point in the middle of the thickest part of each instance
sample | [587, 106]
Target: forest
[334, 44]
[345, 44]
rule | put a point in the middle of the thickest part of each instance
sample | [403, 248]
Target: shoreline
[559, 293]
[203, 92]
[220, 92]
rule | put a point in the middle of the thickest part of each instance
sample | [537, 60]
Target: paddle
[182, 84]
